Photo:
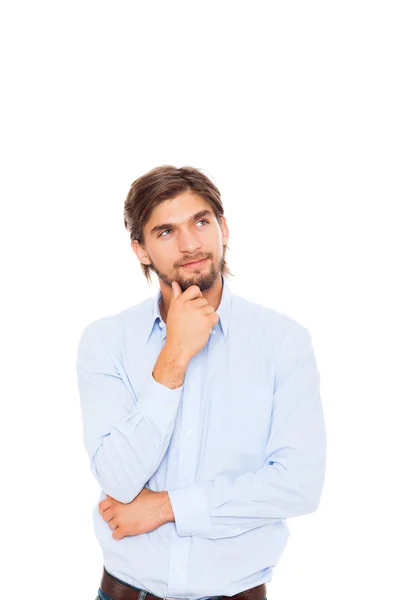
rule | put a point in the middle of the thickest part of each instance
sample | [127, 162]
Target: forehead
[178, 210]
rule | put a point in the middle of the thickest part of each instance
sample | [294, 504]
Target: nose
[188, 243]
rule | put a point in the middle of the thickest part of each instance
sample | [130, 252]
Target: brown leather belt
[118, 590]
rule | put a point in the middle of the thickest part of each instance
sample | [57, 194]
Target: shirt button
[161, 325]
[185, 477]
[212, 330]
[157, 445]
[238, 529]
[190, 431]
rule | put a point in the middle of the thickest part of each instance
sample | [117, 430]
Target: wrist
[176, 355]
[170, 368]
[167, 514]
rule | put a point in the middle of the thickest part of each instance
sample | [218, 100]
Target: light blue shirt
[240, 446]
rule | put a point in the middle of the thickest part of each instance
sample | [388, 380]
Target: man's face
[191, 236]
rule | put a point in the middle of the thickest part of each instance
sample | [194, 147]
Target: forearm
[289, 483]
[166, 508]
[170, 368]
[133, 451]
[126, 433]
[228, 507]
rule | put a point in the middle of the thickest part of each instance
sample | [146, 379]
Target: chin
[203, 280]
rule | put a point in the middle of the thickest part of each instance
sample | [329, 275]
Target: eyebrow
[202, 213]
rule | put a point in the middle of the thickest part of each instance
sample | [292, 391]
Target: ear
[224, 230]
[140, 252]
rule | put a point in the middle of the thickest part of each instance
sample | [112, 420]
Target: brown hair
[165, 183]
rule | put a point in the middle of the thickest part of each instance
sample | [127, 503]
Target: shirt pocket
[238, 426]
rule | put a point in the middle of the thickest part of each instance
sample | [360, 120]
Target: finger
[118, 534]
[176, 290]
[192, 292]
[208, 309]
[106, 503]
[214, 319]
[199, 302]
[108, 514]
[113, 523]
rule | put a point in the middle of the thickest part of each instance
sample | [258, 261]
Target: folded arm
[125, 436]
[291, 479]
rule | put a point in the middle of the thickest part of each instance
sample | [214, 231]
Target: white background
[292, 108]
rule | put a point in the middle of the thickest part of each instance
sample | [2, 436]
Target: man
[201, 410]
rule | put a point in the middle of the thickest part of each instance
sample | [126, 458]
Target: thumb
[176, 290]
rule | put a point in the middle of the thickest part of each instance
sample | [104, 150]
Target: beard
[203, 279]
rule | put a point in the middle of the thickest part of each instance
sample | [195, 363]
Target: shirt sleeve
[125, 436]
[291, 479]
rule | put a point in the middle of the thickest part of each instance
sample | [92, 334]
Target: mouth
[196, 263]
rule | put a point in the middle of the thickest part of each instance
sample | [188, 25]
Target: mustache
[194, 259]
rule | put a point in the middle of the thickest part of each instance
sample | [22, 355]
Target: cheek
[164, 258]
[157, 255]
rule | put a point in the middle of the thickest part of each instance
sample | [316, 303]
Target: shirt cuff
[159, 402]
[190, 510]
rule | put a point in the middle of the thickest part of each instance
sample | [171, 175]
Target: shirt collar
[224, 312]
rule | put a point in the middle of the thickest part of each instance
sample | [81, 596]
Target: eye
[201, 221]
[164, 232]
